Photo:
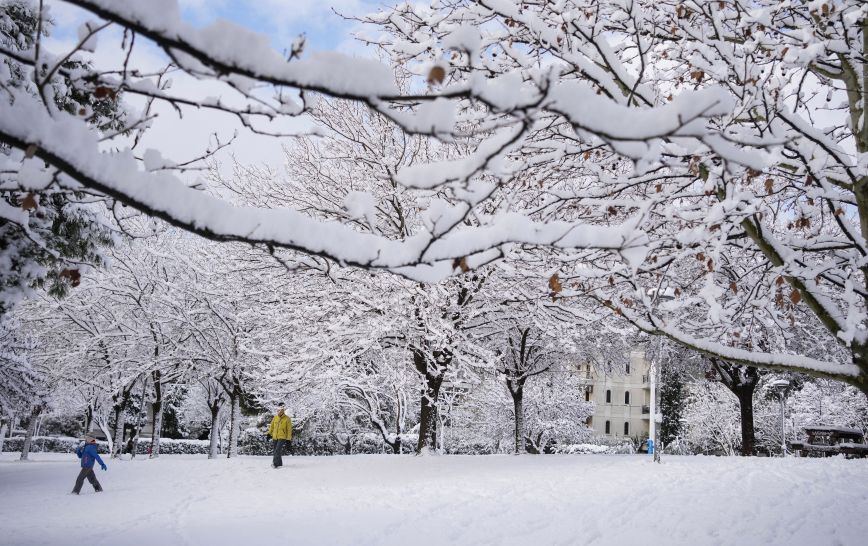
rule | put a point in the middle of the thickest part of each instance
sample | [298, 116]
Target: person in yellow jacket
[280, 431]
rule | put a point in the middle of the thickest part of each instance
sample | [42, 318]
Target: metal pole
[655, 430]
[783, 434]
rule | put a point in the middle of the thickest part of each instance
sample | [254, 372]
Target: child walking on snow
[88, 455]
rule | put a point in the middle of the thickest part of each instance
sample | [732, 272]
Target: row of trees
[690, 170]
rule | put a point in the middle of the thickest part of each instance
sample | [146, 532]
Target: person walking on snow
[280, 431]
[88, 455]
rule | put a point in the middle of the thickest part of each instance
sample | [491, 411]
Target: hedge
[63, 444]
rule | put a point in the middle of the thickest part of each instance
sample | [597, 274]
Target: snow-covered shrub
[62, 425]
[712, 423]
[613, 445]
[254, 441]
[169, 446]
[583, 449]
[49, 444]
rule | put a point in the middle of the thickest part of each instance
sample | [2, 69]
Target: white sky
[282, 20]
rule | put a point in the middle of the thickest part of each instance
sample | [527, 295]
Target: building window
[628, 368]
[608, 397]
[627, 397]
[608, 427]
[587, 396]
[626, 429]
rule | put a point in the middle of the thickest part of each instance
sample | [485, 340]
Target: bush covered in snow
[169, 446]
[64, 444]
[48, 444]
[601, 444]
[583, 449]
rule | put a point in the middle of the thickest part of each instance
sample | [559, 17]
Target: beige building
[623, 400]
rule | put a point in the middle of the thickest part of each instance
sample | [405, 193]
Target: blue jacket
[88, 456]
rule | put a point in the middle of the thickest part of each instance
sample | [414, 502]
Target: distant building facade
[623, 400]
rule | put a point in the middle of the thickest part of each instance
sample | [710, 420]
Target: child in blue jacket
[88, 455]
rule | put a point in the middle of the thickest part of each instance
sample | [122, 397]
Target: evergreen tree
[672, 399]
[47, 234]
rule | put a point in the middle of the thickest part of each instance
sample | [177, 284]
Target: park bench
[827, 441]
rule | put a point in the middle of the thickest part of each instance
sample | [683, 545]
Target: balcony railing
[646, 410]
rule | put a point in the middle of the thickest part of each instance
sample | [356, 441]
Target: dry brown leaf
[436, 75]
[795, 296]
[72, 275]
[461, 263]
[555, 284]
[29, 202]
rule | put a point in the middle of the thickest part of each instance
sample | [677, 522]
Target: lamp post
[781, 386]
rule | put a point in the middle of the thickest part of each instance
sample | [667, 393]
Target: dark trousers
[278, 453]
[91, 477]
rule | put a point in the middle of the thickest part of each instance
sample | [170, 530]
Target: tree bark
[516, 390]
[157, 410]
[234, 424]
[88, 418]
[742, 382]
[2, 436]
[158, 429]
[430, 394]
[118, 435]
[31, 431]
[745, 404]
[213, 435]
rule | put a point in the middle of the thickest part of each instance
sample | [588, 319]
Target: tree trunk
[234, 424]
[430, 396]
[31, 431]
[158, 429]
[103, 426]
[742, 382]
[118, 435]
[516, 390]
[214, 433]
[748, 439]
[428, 415]
[2, 436]
[88, 418]
[399, 422]
[157, 409]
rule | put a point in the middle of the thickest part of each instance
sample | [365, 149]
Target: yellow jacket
[280, 427]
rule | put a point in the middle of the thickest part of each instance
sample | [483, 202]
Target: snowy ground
[438, 500]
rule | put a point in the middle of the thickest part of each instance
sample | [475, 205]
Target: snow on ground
[366, 500]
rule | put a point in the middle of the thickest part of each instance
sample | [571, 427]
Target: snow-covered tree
[711, 420]
[733, 227]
